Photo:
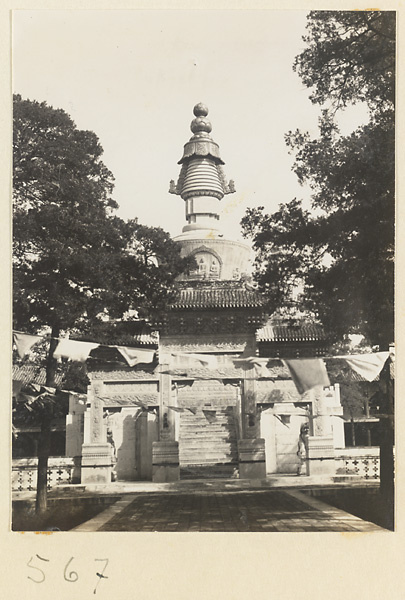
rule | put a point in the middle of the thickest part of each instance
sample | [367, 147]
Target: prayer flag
[134, 356]
[307, 373]
[74, 350]
[205, 360]
[24, 342]
[254, 362]
[368, 366]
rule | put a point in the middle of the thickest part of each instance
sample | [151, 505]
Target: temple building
[210, 397]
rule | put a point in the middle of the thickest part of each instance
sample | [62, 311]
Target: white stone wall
[281, 432]
[133, 432]
[280, 424]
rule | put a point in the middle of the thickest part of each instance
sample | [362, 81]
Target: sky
[133, 77]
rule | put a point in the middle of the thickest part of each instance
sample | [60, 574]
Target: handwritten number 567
[69, 574]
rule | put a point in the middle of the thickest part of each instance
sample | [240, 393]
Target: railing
[364, 462]
[61, 471]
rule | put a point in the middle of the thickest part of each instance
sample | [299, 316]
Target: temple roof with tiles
[302, 332]
[232, 295]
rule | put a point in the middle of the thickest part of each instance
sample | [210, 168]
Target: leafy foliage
[343, 250]
[350, 57]
[75, 263]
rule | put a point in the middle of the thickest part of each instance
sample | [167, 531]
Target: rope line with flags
[306, 373]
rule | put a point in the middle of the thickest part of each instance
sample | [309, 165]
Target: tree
[74, 261]
[342, 251]
[350, 57]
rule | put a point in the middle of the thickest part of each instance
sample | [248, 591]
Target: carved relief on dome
[209, 264]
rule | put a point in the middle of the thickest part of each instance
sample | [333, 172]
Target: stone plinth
[321, 455]
[165, 461]
[252, 459]
[96, 463]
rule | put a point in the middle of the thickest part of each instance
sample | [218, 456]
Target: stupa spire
[201, 182]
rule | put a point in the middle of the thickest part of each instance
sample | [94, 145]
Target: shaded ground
[366, 503]
[62, 514]
[270, 510]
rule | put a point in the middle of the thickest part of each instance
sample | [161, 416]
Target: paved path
[236, 510]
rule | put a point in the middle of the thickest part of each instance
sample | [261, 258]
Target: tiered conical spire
[201, 182]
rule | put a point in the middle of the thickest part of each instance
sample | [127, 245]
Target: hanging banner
[189, 359]
[177, 409]
[74, 350]
[307, 373]
[368, 366]
[24, 342]
[258, 364]
[133, 356]
[17, 385]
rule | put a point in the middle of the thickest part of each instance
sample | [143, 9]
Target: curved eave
[216, 299]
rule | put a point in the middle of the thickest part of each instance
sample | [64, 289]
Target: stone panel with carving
[130, 400]
[124, 375]
[209, 394]
[141, 387]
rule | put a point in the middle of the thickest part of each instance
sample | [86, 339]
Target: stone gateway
[204, 407]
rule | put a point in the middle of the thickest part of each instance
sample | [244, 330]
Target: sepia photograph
[203, 231]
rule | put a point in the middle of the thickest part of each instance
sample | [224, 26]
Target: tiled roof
[125, 333]
[32, 374]
[217, 297]
[291, 333]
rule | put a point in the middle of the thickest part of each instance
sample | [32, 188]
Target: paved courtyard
[243, 511]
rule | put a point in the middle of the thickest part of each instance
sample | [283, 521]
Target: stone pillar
[321, 453]
[165, 452]
[96, 451]
[251, 448]
[74, 426]
[268, 432]
[332, 396]
[74, 433]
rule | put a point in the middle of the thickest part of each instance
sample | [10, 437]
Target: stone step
[206, 458]
[212, 456]
[185, 417]
[202, 435]
[206, 427]
[208, 463]
[220, 410]
[198, 440]
[209, 472]
[194, 422]
[203, 449]
[208, 446]
[213, 442]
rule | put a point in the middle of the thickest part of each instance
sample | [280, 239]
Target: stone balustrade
[364, 462]
[61, 470]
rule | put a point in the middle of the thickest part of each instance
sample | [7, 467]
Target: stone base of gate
[252, 459]
[96, 463]
[165, 462]
[321, 456]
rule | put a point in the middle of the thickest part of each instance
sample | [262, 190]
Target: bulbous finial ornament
[200, 110]
[200, 125]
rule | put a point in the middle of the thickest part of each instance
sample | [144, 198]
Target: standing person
[302, 446]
